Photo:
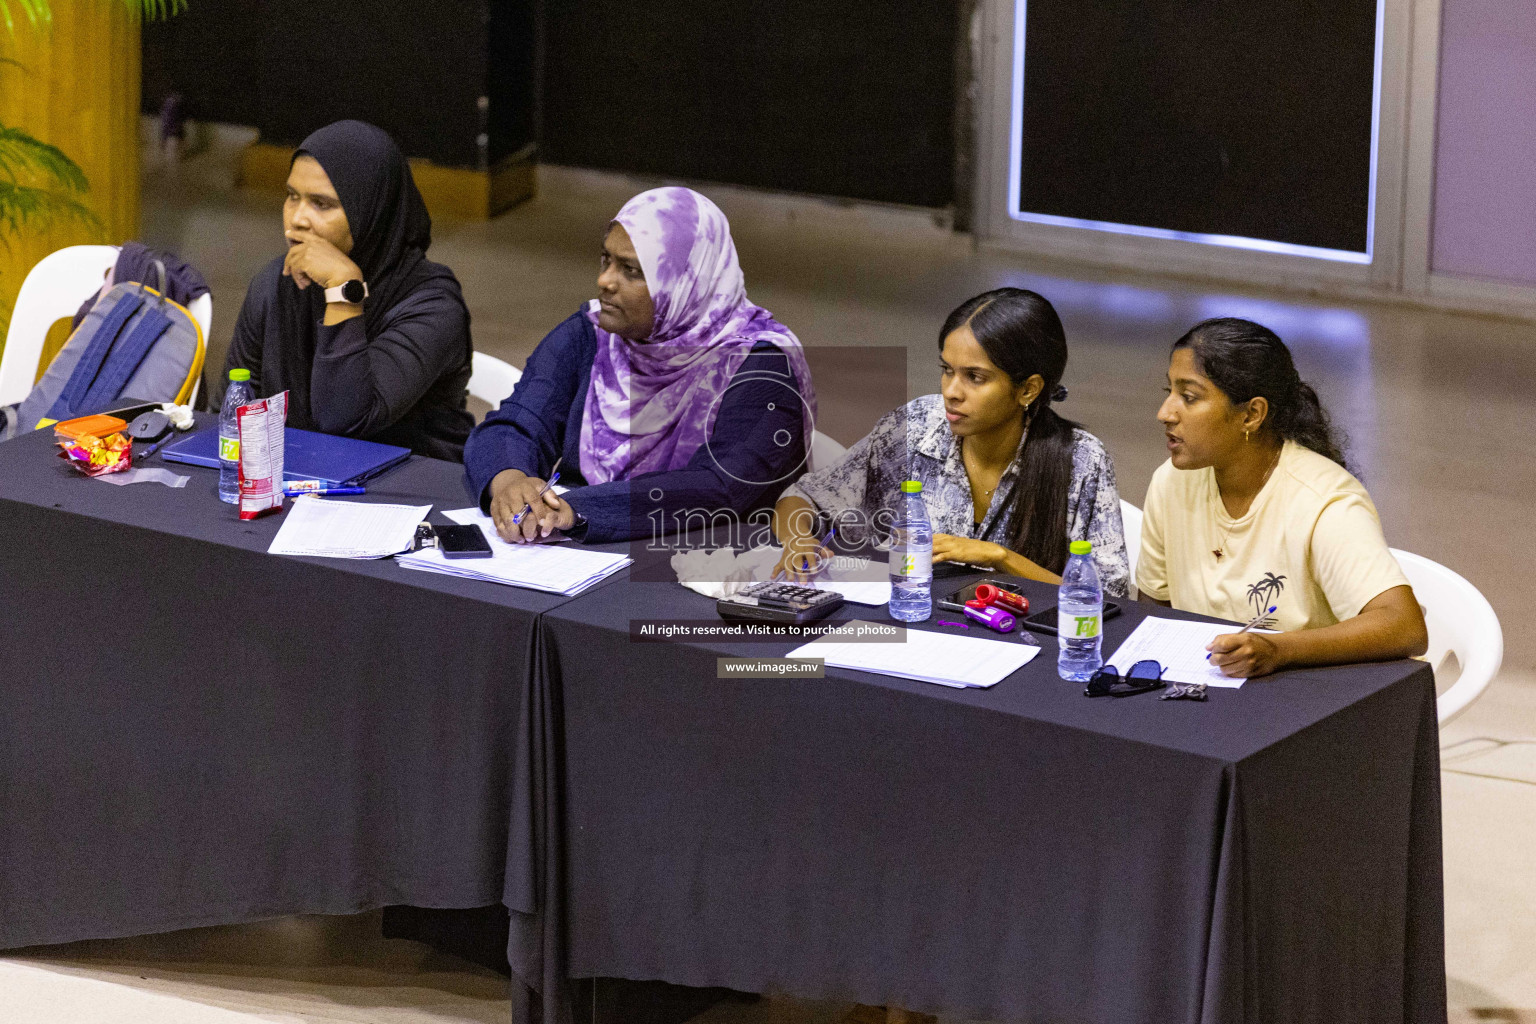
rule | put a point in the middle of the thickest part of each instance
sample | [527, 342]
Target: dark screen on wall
[821, 96]
[833, 97]
[1239, 117]
[288, 67]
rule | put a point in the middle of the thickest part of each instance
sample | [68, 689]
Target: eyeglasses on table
[1143, 677]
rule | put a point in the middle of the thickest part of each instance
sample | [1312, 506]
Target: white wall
[1484, 217]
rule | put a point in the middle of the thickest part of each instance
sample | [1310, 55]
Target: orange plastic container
[101, 425]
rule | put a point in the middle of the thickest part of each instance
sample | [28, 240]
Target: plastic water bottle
[912, 558]
[1079, 617]
[240, 393]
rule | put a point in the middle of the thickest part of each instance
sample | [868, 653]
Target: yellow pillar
[77, 88]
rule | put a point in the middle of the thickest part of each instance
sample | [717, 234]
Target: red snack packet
[97, 456]
[261, 454]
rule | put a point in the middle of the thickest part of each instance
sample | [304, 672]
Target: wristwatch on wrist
[353, 291]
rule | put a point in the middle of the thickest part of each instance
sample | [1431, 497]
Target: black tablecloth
[1021, 853]
[195, 732]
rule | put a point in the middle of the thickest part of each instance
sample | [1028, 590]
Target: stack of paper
[346, 529]
[1177, 645]
[553, 568]
[943, 658]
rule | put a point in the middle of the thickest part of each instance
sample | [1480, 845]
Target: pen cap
[993, 618]
[986, 593]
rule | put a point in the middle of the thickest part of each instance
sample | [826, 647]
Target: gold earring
[1245, 437]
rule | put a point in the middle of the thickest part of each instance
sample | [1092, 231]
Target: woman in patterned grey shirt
[1007, 483]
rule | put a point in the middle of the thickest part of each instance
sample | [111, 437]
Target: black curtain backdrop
[420, 71]
[835, 97]
[828, 97]
[1245, 117]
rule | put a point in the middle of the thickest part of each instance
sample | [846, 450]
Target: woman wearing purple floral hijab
[670, 394]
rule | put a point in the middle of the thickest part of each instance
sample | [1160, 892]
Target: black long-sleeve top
[404, 385]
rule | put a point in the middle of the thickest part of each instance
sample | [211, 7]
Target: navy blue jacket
[755, 449]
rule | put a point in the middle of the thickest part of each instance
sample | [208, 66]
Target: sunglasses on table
[1143, 677]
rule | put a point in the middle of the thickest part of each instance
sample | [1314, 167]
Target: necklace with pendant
[1219, 550]
[986, 495]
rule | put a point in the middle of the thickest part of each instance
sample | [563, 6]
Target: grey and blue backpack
[135, 344]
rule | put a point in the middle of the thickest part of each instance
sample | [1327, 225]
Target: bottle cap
[1082, 547]
[239, 374]
[911, 487]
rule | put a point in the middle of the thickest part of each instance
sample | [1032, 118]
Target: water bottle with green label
[912, 558]
[239, 393]
[1079, 616]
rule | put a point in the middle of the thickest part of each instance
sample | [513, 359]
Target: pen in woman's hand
[1252, 623]
[554, 478]
[1259, 618]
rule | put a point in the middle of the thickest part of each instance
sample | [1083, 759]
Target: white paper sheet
[1177, 645]
[872, 592]
[553, 568]
[721, 573]
[329, 528]
[943, 658]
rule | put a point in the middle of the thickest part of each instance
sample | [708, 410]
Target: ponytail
[1305, 421]
[1247, 360]
[1042, 487]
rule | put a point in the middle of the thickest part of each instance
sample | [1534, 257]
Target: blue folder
[337, 461]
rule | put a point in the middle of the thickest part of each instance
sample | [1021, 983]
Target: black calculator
[779, 602]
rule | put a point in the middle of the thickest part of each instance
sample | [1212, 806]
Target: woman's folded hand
[512, 491]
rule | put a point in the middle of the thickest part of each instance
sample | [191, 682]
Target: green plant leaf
[25, 207]
[35, 10]
[40, 12]
[23, 157]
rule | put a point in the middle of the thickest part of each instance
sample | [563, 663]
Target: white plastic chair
[1461, 622]
[824, 451]
[492, 380]
[52, 291]
[1130, 519]
[202, 311]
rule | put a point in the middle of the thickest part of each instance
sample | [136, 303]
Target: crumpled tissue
[179, 415]
[723, 572]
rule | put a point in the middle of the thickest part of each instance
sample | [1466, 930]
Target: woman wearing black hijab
[368, 336]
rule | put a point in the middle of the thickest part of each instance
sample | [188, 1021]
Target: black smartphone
[1045, 622]
[462, 541]
[955, 602]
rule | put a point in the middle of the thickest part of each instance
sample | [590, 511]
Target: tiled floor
[1441, 409]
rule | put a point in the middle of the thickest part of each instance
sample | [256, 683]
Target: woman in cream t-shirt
[1254, 516]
